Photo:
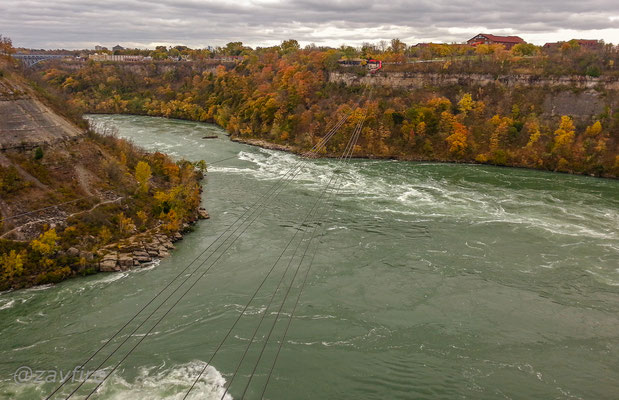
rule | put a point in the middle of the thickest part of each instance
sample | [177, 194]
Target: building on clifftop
[585, 43]
[486, 38]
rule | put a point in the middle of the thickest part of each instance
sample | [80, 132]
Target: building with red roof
[486, 38]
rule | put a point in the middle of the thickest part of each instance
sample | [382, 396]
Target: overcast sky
[198, 23]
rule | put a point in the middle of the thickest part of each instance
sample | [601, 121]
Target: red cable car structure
[374, 65]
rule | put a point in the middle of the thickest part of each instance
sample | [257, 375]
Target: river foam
[407, 189]
[154, 383]
[168, 384]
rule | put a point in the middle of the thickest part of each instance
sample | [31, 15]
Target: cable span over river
[431, 281]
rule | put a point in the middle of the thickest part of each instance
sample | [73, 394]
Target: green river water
[431, 281]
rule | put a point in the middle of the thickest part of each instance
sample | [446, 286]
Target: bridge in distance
[32, 59]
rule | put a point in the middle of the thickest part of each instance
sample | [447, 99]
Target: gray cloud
[144, 23]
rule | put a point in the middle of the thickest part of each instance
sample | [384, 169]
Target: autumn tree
[143, 174]
[594, 130]
[458, 140]
[466, 104]
[105, 236]
[289, 46]
[46, 243]
[6, 46]
[11, 265]
[533, 129]
[397, 46]
[125, 224]
[234, 49]
[595, 143]
[525, 49]
[564, 135]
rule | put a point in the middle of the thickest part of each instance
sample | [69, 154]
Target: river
[431, 281]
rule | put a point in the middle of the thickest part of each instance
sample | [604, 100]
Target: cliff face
[581, 97]
[412, 80]
[25, 122]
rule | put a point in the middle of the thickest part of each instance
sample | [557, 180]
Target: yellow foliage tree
[458, 140]
[46, 243]
[502, 125]
[594, 129]
[439, 103]
[11, 265]
[446, 123]
[466, 103]
[125, 224]
[564, 136]
[421, 129]
[534, 133]
[143, 174]
[105, 235]
[143, 217]
[479, 107]
[172, 222]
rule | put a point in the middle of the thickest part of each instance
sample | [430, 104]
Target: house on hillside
[486, 38]
[586, 43]
[117, 47]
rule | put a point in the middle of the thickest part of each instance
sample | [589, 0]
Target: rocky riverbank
[66, 193]
[142, 248]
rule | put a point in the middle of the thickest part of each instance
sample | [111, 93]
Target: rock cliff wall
[26, 123]
[413, 80]
[581, 97]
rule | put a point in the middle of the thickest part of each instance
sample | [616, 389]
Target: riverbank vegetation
[131, 192]
[282, 94]
[64, 205]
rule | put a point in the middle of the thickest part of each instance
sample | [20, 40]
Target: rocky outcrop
[109, 263]
[26, 123]
[136, 251]
[580, 104]
[140, 249]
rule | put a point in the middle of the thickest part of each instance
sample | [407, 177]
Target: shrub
[593, 71]
[11, 181]
[38, 154]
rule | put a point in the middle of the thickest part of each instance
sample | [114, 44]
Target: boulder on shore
[109, 263]
[125, 261]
